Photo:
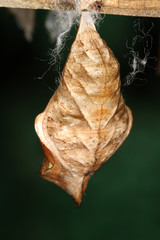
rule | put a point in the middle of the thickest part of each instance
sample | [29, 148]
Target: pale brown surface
[86, 120]
[148, 8]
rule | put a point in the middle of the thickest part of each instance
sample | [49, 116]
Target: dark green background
[122, 201]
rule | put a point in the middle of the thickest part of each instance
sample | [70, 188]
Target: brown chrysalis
[86, 120]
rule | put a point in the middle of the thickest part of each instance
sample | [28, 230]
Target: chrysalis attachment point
[86, 120]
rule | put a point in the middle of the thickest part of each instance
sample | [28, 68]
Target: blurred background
[122, 200]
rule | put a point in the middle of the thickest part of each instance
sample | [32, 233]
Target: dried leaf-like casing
[86, 120]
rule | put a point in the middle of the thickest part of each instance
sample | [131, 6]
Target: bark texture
[146, 8]
[86, 120]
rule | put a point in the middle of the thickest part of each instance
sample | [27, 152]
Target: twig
[146, 8]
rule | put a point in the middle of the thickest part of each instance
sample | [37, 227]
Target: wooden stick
[146, 8]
